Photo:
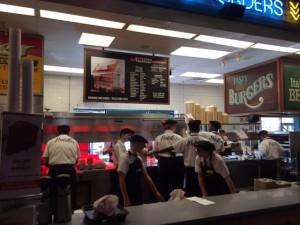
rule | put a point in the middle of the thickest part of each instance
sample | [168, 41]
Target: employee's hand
[149, 153]
[159, 197]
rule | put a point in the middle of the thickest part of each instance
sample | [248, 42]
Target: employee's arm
[161, 150]
[202, 185]
[158, 196]
[230, 184]
[124, 188]
[46, 161]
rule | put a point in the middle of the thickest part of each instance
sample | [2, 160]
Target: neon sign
[294, 10]
[272, 7]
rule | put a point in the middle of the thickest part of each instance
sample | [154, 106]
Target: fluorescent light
[199, 53]
[274, 48]
[200, 75]
[95, 40]
[81, 19]
[17, 10]
[158, 31]
[215, 81]
[171, 76]
[62, 69]
[224, 41]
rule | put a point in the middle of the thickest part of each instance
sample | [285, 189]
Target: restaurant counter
[93, 184]
[269, 207]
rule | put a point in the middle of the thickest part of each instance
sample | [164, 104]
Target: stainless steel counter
[268, 207]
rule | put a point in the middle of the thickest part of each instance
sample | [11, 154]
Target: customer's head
[194, 126]
[204, 148]
[63, 129]
[137, 143]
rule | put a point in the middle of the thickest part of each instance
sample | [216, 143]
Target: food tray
[98, 218]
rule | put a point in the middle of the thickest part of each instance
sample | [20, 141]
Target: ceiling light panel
[215, 81]
[199, 53]
[274, 48]
[224, 41]
[200, 75]
[80, 19]
[159, 31]
[95, 40]
[62, 69]
[17, 10]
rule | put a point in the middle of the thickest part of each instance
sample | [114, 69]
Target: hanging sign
[125, 78]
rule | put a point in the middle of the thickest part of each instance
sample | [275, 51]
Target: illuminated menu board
[128, 78]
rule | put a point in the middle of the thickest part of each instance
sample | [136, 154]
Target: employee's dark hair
[167, 124]
[204, 146]
[63, 129]
[126, 131]
[194, 125]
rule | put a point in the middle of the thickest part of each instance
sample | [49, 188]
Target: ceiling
[61, 46]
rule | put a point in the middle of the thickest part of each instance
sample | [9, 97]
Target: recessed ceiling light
[215, 81]
[17, 10]
[200, 75]
[81, 19]
[95, 40]
[62, 69]
[199, 52]
[274, 48]
[224, 41]
[158, 31]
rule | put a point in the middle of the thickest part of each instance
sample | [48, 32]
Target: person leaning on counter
[270, 151]
[61, 155]
[130, 169]
[213, 174]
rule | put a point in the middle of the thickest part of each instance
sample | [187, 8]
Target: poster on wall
[291, 82]
[252, 90]
[20, 155]
[32, 48]
[125, 78]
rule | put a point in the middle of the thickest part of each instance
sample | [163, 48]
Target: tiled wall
[63, 94]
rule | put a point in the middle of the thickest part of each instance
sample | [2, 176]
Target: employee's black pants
[69, 169]
[268, 169]
[191, 183]
[170, 174]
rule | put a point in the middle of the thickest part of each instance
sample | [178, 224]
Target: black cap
[63, 129]
[138, 139]
[126, 131]
[262, 132]
[216, 124]
[170, 122]
[194, 124]
[204, 146]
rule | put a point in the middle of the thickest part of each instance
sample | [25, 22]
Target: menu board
[127, 78]
[291, 76]
[252, 90]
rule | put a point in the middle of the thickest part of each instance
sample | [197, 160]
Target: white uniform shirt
[62, 150]
[127, 159]
[270, 149]
[165, 140]
[119, 150]
[214, 139]
[186, 146]
[217, 162]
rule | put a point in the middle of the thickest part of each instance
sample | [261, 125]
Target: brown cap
[138, 139]
[216, 124]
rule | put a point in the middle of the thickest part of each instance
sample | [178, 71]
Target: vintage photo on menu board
[123, 77]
